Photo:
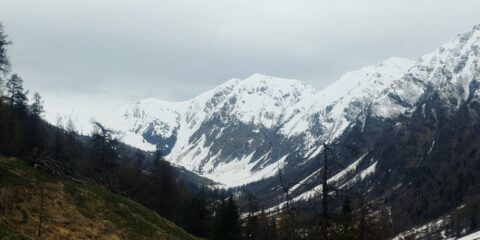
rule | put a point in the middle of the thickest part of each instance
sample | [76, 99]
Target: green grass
[74, 207]
[7, 234]
[128, 214]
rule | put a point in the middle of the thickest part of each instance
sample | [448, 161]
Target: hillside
[72, 210]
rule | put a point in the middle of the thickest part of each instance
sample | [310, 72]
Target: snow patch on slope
[473, 236]
[239, 172]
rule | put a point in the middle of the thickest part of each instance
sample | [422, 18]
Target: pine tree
[252, 219]
[2, 89]
[4, 61]
[167, 196]
[197, 215]
[232, 219]
[70, 127]
[347, 220]
[226, 225]
[16, 96]
[37, 106]
[266, 229]
[139, 159]
[157, 158]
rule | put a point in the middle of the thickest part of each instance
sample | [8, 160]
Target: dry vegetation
[71, 210]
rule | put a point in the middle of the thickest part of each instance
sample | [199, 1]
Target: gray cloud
[174, 50]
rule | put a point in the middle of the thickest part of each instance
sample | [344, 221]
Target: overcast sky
[118, 51]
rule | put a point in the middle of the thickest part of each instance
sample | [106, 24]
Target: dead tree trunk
[325, 213]
[289, 209]
[40, 215]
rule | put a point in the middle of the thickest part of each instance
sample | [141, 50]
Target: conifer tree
[4, 61]
[70, 127]
[347, 220]
[226, 225]
[197, 215]
[252, 219]
[16, 96]
[140, 158]
[266, 228]
[37, 106]
[232, 221]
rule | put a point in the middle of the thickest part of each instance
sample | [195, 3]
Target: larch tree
[103, 152]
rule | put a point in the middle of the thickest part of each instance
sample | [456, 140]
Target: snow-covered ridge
[261, 104]
[450, 69]
[242, 129]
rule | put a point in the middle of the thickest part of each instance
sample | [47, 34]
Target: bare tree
[41, 210]
[289, 209]
[103, 150]
[325, 211]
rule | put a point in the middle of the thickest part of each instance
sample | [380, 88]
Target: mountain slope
[243, 130]
[72, 210]
[450, 70]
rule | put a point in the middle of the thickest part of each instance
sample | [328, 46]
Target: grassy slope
[72, 210]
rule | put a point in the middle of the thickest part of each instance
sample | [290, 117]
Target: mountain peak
[459, 47]
[397, 62]
[476, 27]
[371, 79]
[258, 78]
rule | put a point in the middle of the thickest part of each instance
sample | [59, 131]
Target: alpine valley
[400, 132]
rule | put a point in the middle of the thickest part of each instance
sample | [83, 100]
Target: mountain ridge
[267, 114]
[276, 105]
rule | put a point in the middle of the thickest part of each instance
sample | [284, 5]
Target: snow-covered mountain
[451, 69]
[243, 130]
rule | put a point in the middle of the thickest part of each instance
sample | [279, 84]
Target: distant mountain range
[242, 130]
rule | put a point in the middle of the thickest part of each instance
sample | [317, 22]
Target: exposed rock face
[243, 130]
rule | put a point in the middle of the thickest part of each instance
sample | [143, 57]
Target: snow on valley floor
[473, 236]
